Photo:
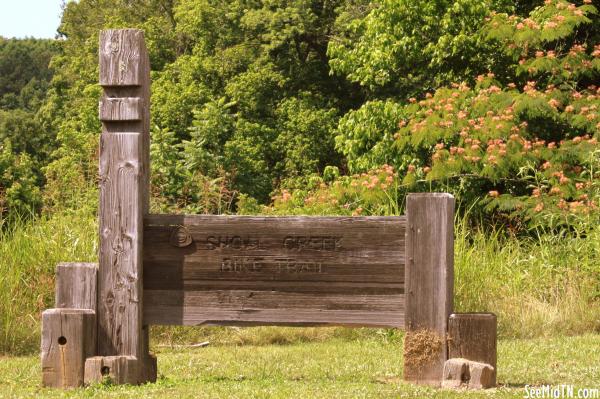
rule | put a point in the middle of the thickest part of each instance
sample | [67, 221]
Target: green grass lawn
[365, 367]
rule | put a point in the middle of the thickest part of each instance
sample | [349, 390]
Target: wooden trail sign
[274, 270]
[233, 270]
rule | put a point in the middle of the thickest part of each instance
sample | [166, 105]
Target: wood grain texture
[76, 285]
[255, 307]
[121, 109]
[285, 270]
[429, 276]
[124, 197]
[121, 57]
[68, 338]
[120, 280]
[473, 336]
[119, 369]
[125, 74]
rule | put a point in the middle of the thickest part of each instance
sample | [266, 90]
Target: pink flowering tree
[523, 148]
[534, 145]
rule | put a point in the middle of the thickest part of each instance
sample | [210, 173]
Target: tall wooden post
[429, 282]
[124, 175]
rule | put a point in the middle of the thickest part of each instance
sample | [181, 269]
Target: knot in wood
[180, 237]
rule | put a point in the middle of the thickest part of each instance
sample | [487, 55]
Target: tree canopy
[253, 99]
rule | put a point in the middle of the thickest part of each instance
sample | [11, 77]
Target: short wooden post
[69, 331]
[68, 338]
[429, 275]
[119, 369]
[472, 336]
[76, 285]
[124, 177]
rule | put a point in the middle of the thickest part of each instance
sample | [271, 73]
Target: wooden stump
[472, 336]
[76, 285]
[119, 369]
[463, 373]
[68, 338]
[456, 373]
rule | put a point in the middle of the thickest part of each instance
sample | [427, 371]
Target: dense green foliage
[492, 100]
[241, 92]
[528, 135]
[25, 141]
[24, 72]
[404, 48]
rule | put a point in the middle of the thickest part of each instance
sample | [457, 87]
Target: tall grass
[29, 253]
[547, 286]
[542, 286]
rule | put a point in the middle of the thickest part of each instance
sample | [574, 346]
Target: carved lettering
[230, 242]
[251, 264]
[241, 264]
[315, 243]
[293, 266]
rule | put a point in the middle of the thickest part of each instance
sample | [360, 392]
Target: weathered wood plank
[317, 222]
[68, 338]
[473, 336]
[125, 74]
[124, 188]
[265, 250]
[250, 307]
[265, 270]
[76, 285]
[429, 283]
[120, 109]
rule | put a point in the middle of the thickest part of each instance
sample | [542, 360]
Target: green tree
[402, 48]
[20, 194]
[228, 80]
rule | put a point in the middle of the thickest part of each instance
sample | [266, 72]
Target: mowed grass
[335, 368]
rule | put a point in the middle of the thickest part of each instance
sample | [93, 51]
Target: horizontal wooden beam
[254, 307]
[264, 270]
